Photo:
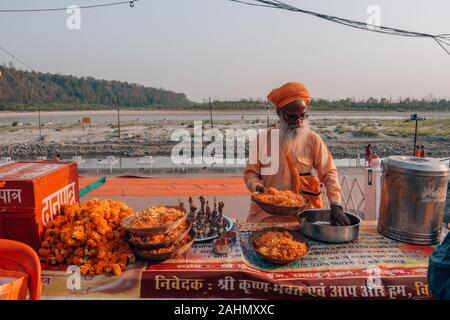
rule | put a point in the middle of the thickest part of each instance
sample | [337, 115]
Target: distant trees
[19, 89]
[349, 104]
[22, 91]
[383, 104]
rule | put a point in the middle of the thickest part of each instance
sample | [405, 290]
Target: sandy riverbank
[345, 137]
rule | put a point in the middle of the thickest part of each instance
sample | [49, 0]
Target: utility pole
[39, 112]
[414, 117]
[210, 113]
[39, 120]
[268, 121]
[118, 116]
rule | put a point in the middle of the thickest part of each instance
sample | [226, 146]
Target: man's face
[294, 114]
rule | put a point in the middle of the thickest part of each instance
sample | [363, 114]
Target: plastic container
[31, 195]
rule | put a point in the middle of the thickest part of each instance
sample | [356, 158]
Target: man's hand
[260, 188]
[338, 217]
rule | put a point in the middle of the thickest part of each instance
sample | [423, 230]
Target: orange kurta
[313, 155]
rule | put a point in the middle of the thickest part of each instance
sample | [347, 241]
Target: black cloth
[439, 270]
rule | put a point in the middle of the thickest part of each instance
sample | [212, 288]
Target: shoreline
[176, 111]
[437, 147]
[346, 135]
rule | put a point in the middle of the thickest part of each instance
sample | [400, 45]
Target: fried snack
[280, 245]
[280, 198]
[171, 248]
[89, 235]
[155, 217]
[161, 237]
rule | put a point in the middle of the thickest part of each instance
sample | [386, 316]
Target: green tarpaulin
[92, 186]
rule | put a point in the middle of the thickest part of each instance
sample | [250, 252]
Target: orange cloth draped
[310, 188]
[307, 185]
[294, 174]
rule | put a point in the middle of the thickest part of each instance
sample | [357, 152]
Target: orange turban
[288, 93]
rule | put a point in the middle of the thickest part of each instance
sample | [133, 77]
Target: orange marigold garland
[89, 235]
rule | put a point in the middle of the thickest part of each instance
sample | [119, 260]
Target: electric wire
[443, 40]
[130, 3]
[15, 58]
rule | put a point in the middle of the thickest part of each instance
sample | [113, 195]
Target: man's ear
[278, 113]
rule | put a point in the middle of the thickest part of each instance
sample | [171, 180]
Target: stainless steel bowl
[231, 235]
[222, 246]
[315, 224]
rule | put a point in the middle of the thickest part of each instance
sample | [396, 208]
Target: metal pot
[413, 192]
[315, 224]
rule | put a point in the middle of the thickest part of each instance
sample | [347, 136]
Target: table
[110, 161]
[5, 160]
[79, 160]
[373, 267]
[143, 162]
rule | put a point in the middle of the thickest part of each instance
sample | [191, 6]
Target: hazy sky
[224, 50]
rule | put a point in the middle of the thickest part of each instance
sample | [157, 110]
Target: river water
[159, 115]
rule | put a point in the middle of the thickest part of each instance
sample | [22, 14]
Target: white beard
[293, 138]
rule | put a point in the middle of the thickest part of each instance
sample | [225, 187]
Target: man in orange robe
[301, 152]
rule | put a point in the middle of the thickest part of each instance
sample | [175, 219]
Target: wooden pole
[118, 117]
[210, 113]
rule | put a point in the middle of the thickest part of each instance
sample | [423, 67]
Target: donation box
[31, 195]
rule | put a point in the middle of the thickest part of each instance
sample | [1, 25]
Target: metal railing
[353, 195]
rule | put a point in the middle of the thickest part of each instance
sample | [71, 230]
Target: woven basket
[280, 210]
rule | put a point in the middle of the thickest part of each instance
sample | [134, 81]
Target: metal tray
[280, 210]
[165, 244]
[125, 223]
[297, 236]
[314, 224]
[228, 227]
[159, 257]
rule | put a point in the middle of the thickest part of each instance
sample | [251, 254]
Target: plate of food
[162, 254]
[160, 240]
[280, 203]
[279, 245]
[154, 220]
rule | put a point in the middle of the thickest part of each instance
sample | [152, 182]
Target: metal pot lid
[415, 163]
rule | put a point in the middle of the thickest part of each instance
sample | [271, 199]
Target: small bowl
[222, 246]
[231, 235]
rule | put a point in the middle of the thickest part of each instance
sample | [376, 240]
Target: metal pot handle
[301, 222]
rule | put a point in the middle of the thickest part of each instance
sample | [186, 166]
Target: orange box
[31, 194]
